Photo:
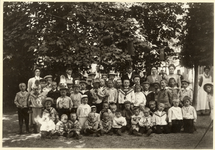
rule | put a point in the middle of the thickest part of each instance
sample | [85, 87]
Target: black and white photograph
[107, 74]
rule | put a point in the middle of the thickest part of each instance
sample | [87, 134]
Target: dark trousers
[118, 131]
[23, 116]
[188, 125]
[91, 131]
[162, 129]
[147, 130]
[74, 134]
[98, 107]
[48, 134]
[176, 126]
[63, 111]
[74, 110]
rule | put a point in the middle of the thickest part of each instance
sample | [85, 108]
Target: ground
[173, 141]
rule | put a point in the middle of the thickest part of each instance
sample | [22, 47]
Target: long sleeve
[194, 114]
[124, 122]
[115, 96]
[57, 106]
[170, 115]
[78, 111]
[29, 85]
[70, 103]
[132, 97]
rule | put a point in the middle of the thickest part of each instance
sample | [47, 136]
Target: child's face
[64, 119]
[96, 85]
[104, 77]
[92, 116]
[186, 103]
[160, 108]
[102, 82]
[146, 86]
[110, 84]
[156, 86]
[126, 83]
[43, 84]
[137, 80]
[84, 100]
[111, 77]
[119, 83]
[106, 117]
[63, 92]
[93, 109]
[171, 70]
[113, 109]
[136, 112]
[54, 86]
[73, 117]
[127, 106]
[118, 114]
[138, 89]
[105, 106]
[208, 88]
[175, 103]
[152, 105]
[76, 89]
[22, 87]
[48, 104]
[37, 72]
[36, 91]
[163, 84]
[185, 85]
[83, 86]
[146, 113]
[49, 80]
[172, 82]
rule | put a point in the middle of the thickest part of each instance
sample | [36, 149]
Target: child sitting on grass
[91, 126]
[119, 124]
[135, 122]
[175, 117]
[152, 107]
[47, 128]
[62, 126]
[145, 123]
[74, 127]
[159, 120]
[105, 124]
[47, 103]
[113, 109]
[83, 110]
[21, 102]
[189, 115]
[127, 113]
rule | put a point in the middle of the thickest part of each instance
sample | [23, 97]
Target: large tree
[198, 41]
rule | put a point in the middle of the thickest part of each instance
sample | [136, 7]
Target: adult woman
[154, 77]
[202, 103]
[172, 75]
[31, 81]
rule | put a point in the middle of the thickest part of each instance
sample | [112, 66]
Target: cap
[97, 80]
[112, 72]
[82, 81]
[63, 88]
[184, 80]
[43, 80]
[207, 84]
[48, 76]
[92, 73]
[76, 85]
[84, 96]
[146, 82]
[69, 82]
[127, 102]
[47, 99]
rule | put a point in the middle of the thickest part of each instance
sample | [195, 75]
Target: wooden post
[196, 85]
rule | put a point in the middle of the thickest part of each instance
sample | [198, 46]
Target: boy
[159, 120]
[139, 96]
[148, 94]
[85, 91]
[91, 126]
[189, 115]
[69, 84]
[119, 124]
[113, 109]
[83, 110]
[93, 110]
[125, 94]
[118, 84]
[164, 96]
[105, 124]
[127, 113]
[105, 109]
[54, 93]
[135, 122]
[47, 128]
[157, 89]
[76, 98]
[173, 89]
[64, 103]
[62, 126]
[48, 79]
[112, 92]
[21, 102]
[53, 115]
[145, 123]
[74, 127]
[185, 91]
[175, 117]
[44, 88]
[35, 102]
[152, 107]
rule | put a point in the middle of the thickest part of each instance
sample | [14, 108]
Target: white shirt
[83, 110]
[139, 99]
[189, 112]
[159, 118]
[175, 113]
[47, 126]
[112, 95]
[119, 122]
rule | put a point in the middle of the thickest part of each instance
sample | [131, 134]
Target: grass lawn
[173, 141]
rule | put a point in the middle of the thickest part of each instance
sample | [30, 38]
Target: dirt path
[180, 140]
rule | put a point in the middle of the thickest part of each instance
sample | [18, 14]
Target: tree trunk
[195, 93]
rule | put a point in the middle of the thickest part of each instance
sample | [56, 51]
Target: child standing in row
[21, 102]
[139, 96]
[76, 98]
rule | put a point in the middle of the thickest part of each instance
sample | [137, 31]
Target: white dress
[202, 103]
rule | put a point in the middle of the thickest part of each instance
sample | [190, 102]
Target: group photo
[108, 75]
